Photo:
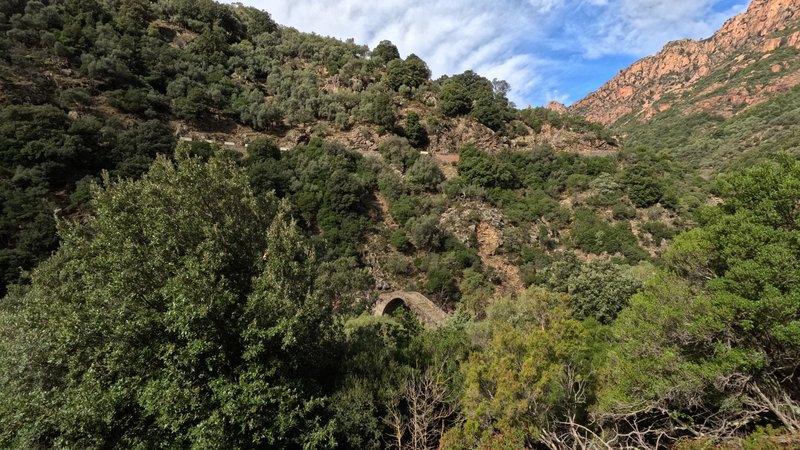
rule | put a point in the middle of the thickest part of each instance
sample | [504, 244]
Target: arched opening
[394, 305]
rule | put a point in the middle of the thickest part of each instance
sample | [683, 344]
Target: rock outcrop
[754, 55]
[557, 107]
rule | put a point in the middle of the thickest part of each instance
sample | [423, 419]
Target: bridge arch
[393, 305]
[428, 313]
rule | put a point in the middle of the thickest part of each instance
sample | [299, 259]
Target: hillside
[753, 57]
[109, 88]
[205, 216]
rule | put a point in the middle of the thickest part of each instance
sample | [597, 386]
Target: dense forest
[200, 207]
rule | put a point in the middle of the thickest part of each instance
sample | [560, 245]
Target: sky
[546, 49]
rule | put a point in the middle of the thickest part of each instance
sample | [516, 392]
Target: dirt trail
[488, 242]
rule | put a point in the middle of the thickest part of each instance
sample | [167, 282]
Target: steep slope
[754, 56]
[91, 86]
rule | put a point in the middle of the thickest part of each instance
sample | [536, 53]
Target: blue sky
[547, 49]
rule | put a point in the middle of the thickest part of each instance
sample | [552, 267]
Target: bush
[659, 231]
[416, 134]
[454, 100]
[144, 102]
[623, 211]
[378, 108]
[424, 232]
[404, 208]
[262, 149]
[593, 235]
[441, 284]
[425, 174]
[398, 153]
[384, 52]
[481, 169]
[400, 241]
[399, 265]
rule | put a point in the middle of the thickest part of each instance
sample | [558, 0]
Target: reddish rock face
[639, 91]
[557, 107]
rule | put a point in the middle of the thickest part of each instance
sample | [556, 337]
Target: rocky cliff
[753, 56]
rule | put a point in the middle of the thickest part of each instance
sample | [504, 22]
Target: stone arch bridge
[428, 313]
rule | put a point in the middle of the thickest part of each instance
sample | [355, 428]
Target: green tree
[378, 108]
[531, 373]
[184, 311]
[714, 342]
[481, 169]
[384, 52]
[415, 132]
[412, 73]
[424, 232]
[262, 149]
[398, 153]
[454, 99]
[599, 289]
[425, 174]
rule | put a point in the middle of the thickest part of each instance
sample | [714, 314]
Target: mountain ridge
[753, 56]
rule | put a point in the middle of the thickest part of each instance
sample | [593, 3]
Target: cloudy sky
[546, 49]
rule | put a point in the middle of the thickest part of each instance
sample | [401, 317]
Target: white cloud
[526, 42]
[642, 27]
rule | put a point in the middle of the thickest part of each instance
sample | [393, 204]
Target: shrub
[416, 134]
[261, 149]
[424, 232]
[398, 153]
[425, 174]
[398, 265]
[659, 231]
[400, 241]
[441, 284]
[623, 211]
[593, 235]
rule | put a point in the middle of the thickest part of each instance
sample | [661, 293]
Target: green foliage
[186, 309]
[659, 231]
[43, 151]
[398, 152]
[424, 232]
[491, 111]
[74, 98]
[533, 358]
[481, 169]
[416, 134]
[727, 312]
[598, 289]
[406, 207]
[378, 108]
[476, 291]
[425, 174]
[400, 241]
[522, 207]
[592, 234]
[384, 52]
[411, 73]
[623, 211]
[716, 144]
[441, 284]
[256, 21]
[399, 265]
[182, 328]
[454, 99]
[330, 188]
[605, 191]
[469, 93]
[263, 149]
[539, 116]
[143, 102]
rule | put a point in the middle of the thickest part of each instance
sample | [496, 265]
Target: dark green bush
[400, 241]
